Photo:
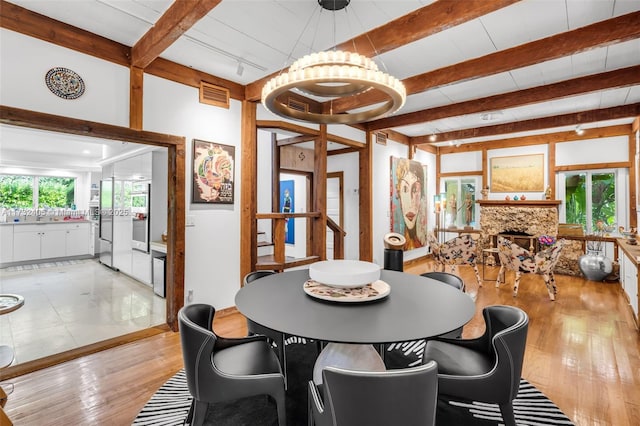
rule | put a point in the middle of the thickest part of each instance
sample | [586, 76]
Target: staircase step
[268, 262]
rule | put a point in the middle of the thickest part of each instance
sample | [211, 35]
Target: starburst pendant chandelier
[333, 75]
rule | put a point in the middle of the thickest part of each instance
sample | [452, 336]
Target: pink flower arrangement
[546, 240]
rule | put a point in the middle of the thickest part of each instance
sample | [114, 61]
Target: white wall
[24, 62]
[589, 151]
[212, 252]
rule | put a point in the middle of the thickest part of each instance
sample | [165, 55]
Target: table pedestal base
[348, 356]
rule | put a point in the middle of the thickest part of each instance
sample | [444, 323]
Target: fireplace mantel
[530, 217]
[519, 203]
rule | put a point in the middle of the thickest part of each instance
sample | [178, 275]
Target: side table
[8, 303]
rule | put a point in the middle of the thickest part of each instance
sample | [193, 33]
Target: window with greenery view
[590, 197]
[27, 192]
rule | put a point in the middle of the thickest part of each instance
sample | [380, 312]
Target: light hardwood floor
[583, 351]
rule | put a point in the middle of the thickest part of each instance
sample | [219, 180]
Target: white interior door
[334, 208]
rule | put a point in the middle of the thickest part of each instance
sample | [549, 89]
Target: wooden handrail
[338, 238]
[286, 215]
[279, 261]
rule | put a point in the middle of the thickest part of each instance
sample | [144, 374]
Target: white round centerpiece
[344, 273]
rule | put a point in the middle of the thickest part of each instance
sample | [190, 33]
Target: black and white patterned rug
[170, 404]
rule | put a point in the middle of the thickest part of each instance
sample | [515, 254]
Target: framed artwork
[518, 173]
[408, 186]
[213, 171]
[287, 205]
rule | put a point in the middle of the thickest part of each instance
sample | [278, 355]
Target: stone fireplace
[535, 218]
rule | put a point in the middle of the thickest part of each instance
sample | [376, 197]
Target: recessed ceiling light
[489, 116]
[86, 151]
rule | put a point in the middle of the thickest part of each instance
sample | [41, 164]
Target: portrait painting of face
[409, 201]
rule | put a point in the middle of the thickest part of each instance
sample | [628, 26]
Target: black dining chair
[454, 281]
[275, 337]
[223, 369]
[487, 368]
[406, 397]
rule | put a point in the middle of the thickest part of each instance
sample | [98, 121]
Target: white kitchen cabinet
[32, 242]
[77, 239]
[52, 243]
[629, 280]
[6, 243]
[141, 266]
[49, 240]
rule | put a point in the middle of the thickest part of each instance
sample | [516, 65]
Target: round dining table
[415, 308]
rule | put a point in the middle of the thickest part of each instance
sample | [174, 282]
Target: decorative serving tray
[369, 292]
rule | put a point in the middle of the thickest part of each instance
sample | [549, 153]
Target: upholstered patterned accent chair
[519, 260]
[461, 250]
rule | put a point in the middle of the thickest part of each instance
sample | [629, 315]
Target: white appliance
[158, 275]
[106, 222]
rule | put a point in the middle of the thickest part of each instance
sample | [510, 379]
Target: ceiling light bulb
[579, 130]
[433, 137]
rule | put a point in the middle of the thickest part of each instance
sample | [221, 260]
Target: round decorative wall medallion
[64, 83]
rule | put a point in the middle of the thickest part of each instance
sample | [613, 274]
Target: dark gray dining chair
[274, 336]
[488, 368]
[223, 369]
[454, 281]
[406, 396]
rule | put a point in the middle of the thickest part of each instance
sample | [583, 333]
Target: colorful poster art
[409, 201]
[287, 205]
[213, 171]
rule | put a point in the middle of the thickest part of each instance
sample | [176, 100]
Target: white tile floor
[72, 305]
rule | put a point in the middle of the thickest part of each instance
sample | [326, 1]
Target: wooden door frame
[175, 211]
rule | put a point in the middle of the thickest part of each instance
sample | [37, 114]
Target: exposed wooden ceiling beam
[583, 117]
[608, 80]
[24, 21]
[296, 139]
[176, 21]
[604, 33]
[547, 138]
[426, 21]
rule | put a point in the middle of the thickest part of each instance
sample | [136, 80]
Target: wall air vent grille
[381, 138]
[214, 95]
[297, 105]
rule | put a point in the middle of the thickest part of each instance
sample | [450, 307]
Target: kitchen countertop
[158, 246]
[632, 251]
[45, 222]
